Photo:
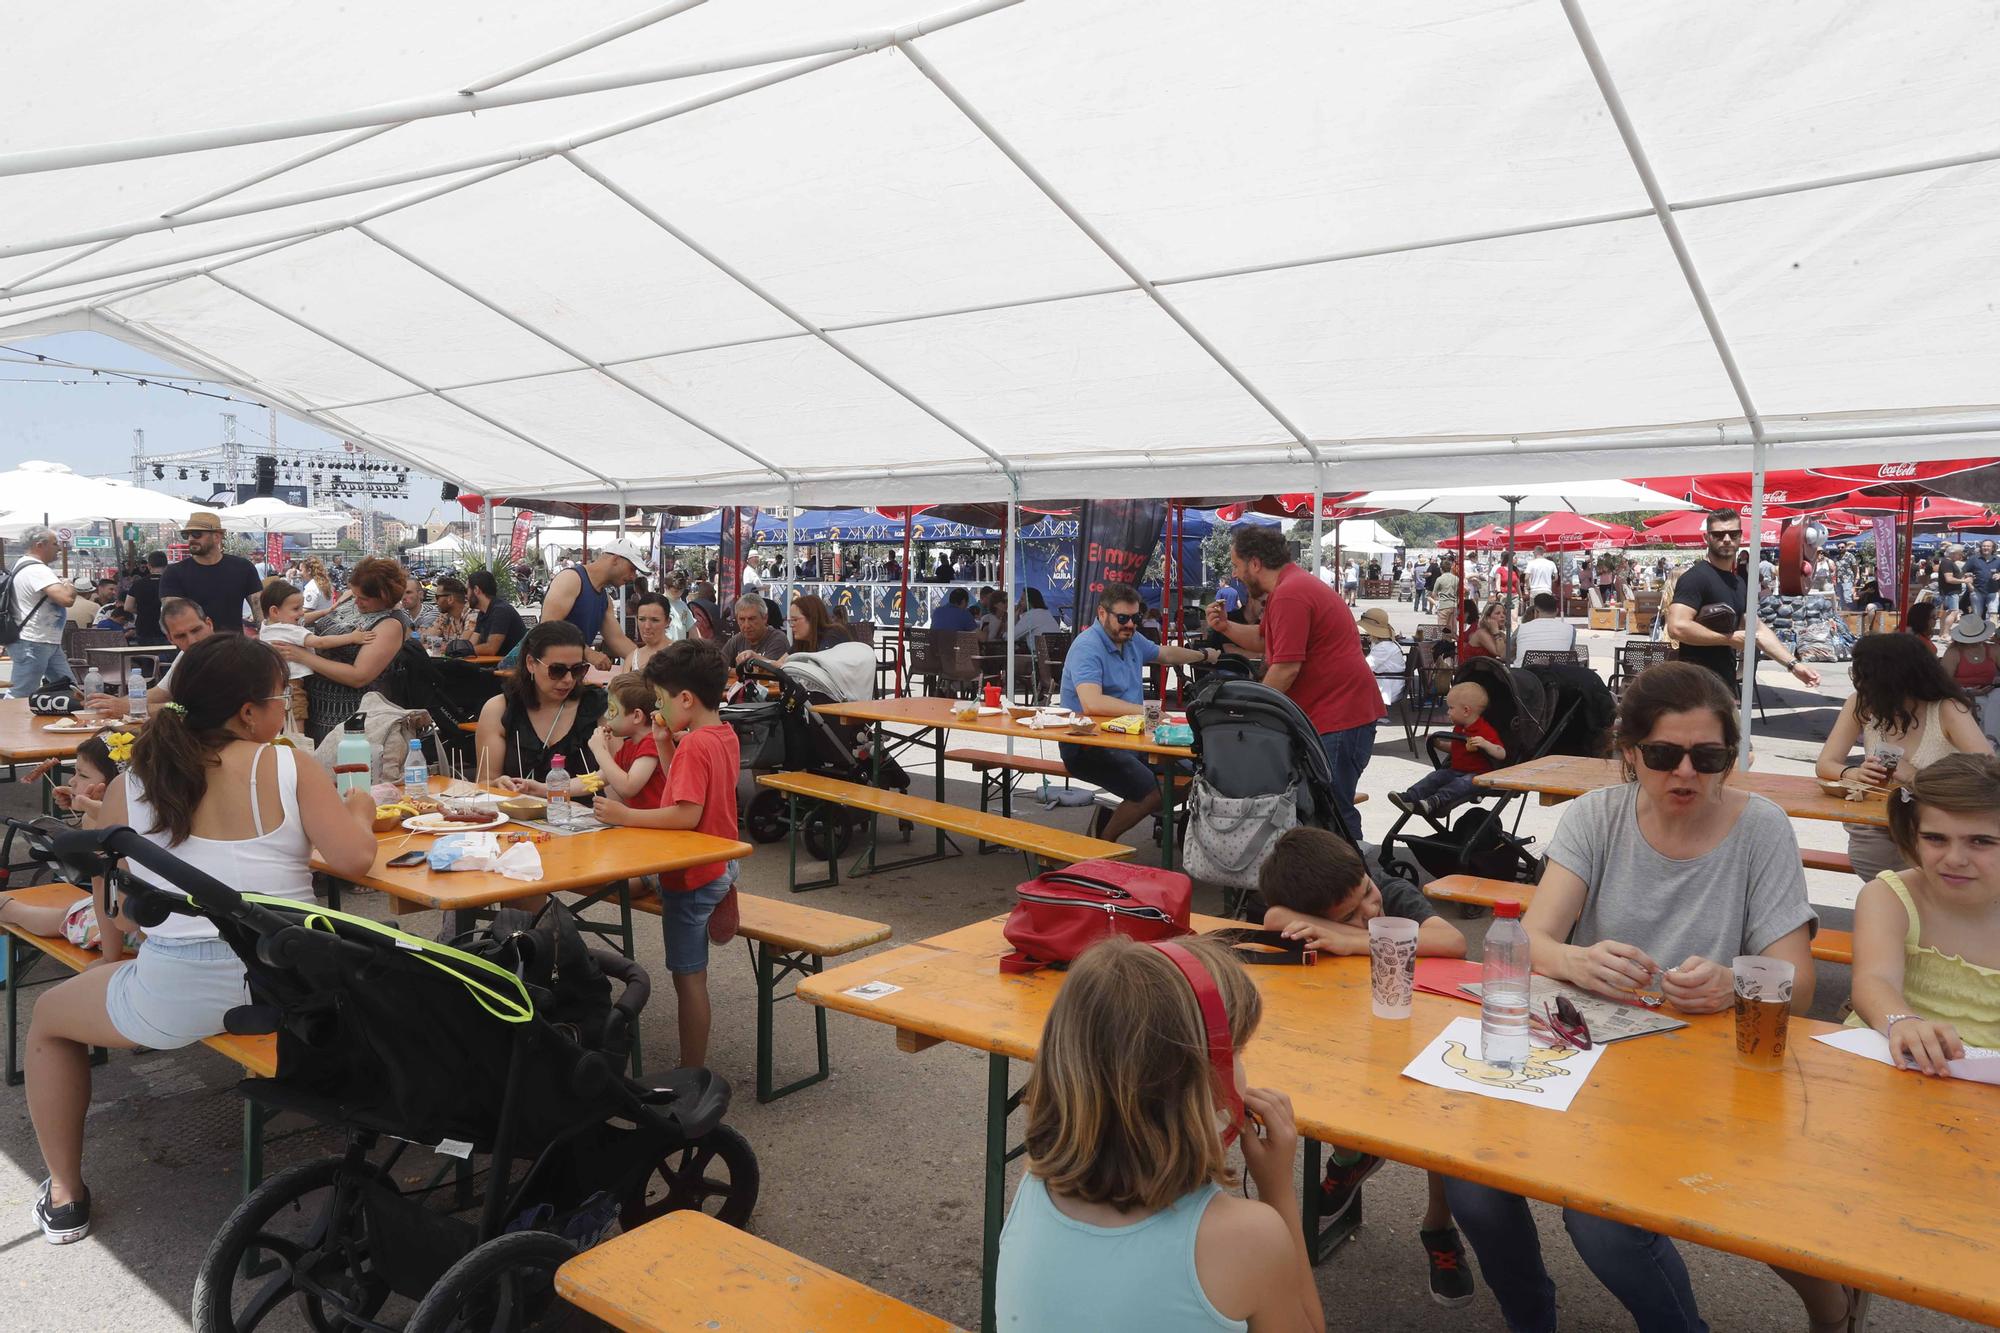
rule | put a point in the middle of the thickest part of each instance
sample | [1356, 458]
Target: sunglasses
[563, 670]
[1726, 535]
[1560, 1024]
[1665, 757]
[1122, 617]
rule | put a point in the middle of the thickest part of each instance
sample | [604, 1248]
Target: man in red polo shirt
[1312, 652]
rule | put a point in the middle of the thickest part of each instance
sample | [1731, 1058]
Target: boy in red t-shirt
[1475, 749]
[627, 755]
[702, 757]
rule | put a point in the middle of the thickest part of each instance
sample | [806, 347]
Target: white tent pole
[1010, 585]
[1319, 490]
[1103, 243]
[791, 543]
[568, 458]
[614, 376]
[763, 294]
[486, 530]
[508, 75]
[465, 103]
[1753, 543]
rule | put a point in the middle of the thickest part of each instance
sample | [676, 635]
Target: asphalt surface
[875, 1173]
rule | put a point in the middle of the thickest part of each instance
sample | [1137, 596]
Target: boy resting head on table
[1317, 888]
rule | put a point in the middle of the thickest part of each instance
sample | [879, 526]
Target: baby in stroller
[1476, 748]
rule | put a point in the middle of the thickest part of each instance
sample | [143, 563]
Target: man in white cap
[41, 600]
[581, 595]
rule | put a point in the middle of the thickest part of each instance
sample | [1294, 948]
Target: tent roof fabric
[869, 251]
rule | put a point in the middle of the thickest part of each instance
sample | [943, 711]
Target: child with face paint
[635, 772]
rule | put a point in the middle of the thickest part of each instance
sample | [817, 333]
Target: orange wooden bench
[688, 1271]
[1829, 946]
[787, 939]
[1815, 859]
[257, 1056]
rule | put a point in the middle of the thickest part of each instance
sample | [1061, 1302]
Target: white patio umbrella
[39, 492]
[1536, 497]
[268, 514]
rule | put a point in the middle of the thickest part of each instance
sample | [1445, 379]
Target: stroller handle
[97, 851]
[759, 668]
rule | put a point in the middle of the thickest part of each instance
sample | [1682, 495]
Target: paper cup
[1392, 970]
[1763, 1010]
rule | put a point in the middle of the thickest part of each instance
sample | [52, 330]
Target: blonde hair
[1122, 1101]
[1469, 691]
[1962, 784]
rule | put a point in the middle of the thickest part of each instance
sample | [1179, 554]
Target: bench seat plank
[688, 1271]
[1055, 844]
[792, 926]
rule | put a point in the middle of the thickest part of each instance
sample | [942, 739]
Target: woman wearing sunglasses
[545, 711]
[1652, 888]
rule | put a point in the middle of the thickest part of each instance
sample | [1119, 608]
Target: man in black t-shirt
[498, 626]
[1716, 581]
[1951, 585]
[219, 584]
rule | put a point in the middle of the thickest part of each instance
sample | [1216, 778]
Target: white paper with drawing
[1549, 1079]
[1980, 1065]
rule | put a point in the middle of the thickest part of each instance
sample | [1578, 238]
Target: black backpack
[11, 624]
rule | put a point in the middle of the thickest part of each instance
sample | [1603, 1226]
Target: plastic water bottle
[1503, 990]
[135, 694]
[416, 773]
[559, 805]
[353, 760]
[93, 681]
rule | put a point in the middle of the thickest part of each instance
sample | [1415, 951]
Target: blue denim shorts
[684, 922]
[1120, 772]
[175, 992]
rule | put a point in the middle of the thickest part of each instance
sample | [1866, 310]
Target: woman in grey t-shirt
[1669, 876]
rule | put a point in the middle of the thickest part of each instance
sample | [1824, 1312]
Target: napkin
[522, 861]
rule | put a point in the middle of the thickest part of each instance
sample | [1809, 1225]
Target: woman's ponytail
[178, 746]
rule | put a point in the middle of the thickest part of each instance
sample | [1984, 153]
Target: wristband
[1889, 1022]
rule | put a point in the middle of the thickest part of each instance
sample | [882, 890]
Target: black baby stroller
[508, 1050]
[783, 730]
[1475, 840]
[1251, 741]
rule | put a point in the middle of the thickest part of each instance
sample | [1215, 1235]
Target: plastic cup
[1152, 711]
[1392, 965]
[1763, 1010]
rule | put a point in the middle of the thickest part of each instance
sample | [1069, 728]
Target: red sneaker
[722, 922]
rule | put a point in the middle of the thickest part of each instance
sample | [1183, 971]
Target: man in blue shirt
[1105, 676]
[953, 615]
[1982, 581]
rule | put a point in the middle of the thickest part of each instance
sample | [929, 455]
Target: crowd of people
[1125, 1215]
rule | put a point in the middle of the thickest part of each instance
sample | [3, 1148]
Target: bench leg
[772, 966]
[832, 876]
[17, 967]
[1322, 1242]
[1000, 1104]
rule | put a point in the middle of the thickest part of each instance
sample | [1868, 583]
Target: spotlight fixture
[184, 474]
[159, 473]
[204, 474]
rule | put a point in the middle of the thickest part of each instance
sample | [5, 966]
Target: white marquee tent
[866, 251]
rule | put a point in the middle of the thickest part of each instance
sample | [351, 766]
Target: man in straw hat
[223, 586]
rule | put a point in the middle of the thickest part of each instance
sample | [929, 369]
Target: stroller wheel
[306, 1228]
[829, 832]
[767, 818]
[507, 1285]
[716, 1174]
[1402, 870]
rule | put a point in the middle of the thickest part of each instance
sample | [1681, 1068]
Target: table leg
[1000, 1104]
[1322, 1242]
[17, 965]
[1169, 771]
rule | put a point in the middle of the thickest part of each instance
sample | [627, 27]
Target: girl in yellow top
[1927, 939]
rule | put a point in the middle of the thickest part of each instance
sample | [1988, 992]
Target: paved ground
[875, 1173]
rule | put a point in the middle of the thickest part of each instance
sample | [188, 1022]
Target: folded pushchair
[505, 1054]
[1532, 720]
[784, 731]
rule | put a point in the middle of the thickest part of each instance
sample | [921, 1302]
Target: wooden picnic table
[24, 738]
[1834, 1165]
[935, 714]
[577, 863]
[1563, 777]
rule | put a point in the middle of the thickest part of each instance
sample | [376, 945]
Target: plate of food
[75, 726]
[454, 821]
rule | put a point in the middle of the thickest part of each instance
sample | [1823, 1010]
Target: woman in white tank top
[205, 783]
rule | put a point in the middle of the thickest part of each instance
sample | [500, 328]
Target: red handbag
[1059, 914]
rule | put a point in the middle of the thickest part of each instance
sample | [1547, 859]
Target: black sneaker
[1451, 1280]
[1342, 1186]
[60, 1226]
[1402, 802]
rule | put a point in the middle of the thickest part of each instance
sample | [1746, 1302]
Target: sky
[89, 426]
